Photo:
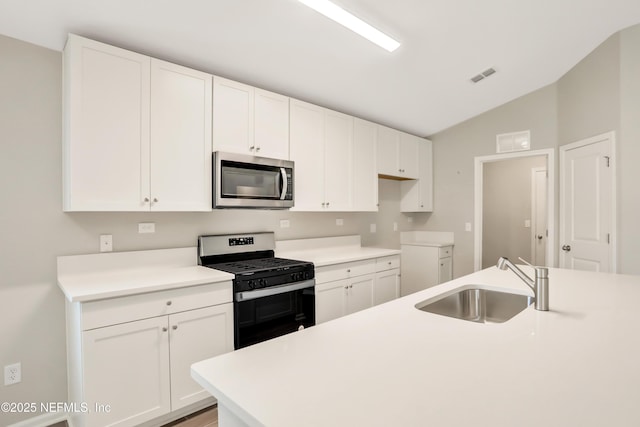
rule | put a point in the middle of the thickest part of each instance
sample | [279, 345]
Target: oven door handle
[283, 176]
[276, 290]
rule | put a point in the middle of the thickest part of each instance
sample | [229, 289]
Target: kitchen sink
[477, 304]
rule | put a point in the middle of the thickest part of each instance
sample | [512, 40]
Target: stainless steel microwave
[246, 181]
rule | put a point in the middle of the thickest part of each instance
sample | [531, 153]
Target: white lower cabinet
[346, 288]
[425, 266]
[134, 371]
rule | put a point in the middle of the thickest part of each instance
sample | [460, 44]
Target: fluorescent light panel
[355, 24]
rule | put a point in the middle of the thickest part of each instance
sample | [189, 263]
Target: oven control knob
[251, 284]
[263, 283]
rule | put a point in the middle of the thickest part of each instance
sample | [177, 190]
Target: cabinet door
[196, 335]
[386, 286]
[365, 175]
[337, 160]
[388, 151]
[106, 137]
[417, 195]
[232, 116]
[127, 367]
[445, 270]
[331, 300]
[425, 175]
[271, 125]
[408, 155]
[360, 295]
[180, 138]
[307, 151]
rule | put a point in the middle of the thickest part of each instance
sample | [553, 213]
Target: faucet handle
[526, 262]
[540, 271]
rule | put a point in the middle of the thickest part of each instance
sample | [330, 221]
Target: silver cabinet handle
[348, 270]
[146, 200]
[164, 329]
[566, 248]
[155, 200]
[539, 236]
[257, 148]
[253, 147]
[168, 302]
[174, 327]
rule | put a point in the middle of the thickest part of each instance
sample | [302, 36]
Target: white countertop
[322, 257]
[575, 365]
[85, 278]
[330, 250]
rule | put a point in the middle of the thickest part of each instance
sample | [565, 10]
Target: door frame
[551, 225]
[611, 137]
[534, 215]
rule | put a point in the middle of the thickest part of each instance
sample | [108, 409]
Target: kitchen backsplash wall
[34, 230]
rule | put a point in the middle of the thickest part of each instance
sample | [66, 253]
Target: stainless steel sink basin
[477, 304]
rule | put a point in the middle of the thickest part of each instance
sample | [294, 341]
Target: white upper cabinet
[249, 120]
[364, 175]
[137, 132]
[320, 146]
[180, 138]
[307, 152]
[408, 155]
[271, 124]
[397, 153]
[232, 116]
[338, 129]
[388, 146]
[106, 139]
[417, 195]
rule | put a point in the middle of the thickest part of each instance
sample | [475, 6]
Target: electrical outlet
[147, 227]
[527, 223]
[372, 228]
[339, 222]
[284, 223]
[467, 226]
[395, 226]
[12, 374]
[106, 243]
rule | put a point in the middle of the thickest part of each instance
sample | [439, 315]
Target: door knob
[566, 248]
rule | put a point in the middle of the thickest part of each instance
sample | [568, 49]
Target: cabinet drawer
[445, 251]
[387, 263]
[126, 309]
[345, 270]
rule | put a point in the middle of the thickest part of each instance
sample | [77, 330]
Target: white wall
[34, 230]
[454, 152]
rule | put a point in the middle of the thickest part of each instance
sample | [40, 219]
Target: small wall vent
[486, 73]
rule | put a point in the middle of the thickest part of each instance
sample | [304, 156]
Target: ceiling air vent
[482, 75]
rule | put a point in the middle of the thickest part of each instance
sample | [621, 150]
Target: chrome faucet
[539, 286]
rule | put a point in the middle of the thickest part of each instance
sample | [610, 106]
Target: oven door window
[250, 181]
[261, 319]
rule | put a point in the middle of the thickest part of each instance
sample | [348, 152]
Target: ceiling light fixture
[355, 24]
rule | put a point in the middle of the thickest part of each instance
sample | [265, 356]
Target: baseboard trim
[44, 420]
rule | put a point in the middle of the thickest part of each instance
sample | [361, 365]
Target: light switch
[284, 223]
[467, 226]
[372, 228]
[339, 221]
[527, 223]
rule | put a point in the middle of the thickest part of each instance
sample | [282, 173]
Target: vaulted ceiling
[281, 45]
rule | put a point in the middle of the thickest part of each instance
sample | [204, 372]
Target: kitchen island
[394, 365]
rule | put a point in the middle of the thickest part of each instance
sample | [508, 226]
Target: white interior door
[587, 205]
[538, 215]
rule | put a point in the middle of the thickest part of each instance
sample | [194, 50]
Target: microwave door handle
[283, 176]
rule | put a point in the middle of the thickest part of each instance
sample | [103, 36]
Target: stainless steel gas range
[271, 296]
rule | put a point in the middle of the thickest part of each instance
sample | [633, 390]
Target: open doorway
[514, 208]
